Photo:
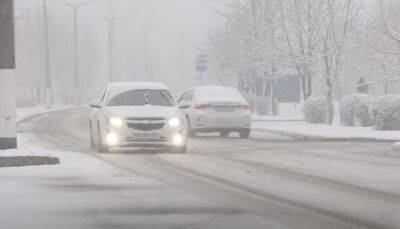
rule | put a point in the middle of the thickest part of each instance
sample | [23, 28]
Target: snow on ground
[290, 188]
[323, 131]
[291, 122]
[287, 112]
[23, 113]
[85, 192]
[363, 169]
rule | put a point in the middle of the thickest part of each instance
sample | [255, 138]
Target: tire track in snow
[183, 173]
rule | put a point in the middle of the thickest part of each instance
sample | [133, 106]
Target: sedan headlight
[174, 122]
[116, 122]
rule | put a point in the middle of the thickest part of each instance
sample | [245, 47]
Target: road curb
[25, 119]
[278, 120]
[307, 137]
[396, 146]
[20, 161]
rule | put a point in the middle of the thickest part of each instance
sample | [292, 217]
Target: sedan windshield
[142, 97]
[219, 94]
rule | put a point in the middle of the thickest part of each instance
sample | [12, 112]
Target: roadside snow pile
[23, 113]
[354, 110]
[287, 112]
[315, 110]
[19, 158]
[302, 130]
[385, 113]
[24, 152]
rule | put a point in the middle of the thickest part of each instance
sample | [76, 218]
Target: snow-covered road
[267, 181]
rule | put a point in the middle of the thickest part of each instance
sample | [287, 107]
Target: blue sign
[201, 63]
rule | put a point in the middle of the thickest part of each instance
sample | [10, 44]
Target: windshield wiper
[146, 99]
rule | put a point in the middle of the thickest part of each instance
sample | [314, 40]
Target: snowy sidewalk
[23, 113]
[303, 130]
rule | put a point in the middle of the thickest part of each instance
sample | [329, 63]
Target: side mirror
[95, 105]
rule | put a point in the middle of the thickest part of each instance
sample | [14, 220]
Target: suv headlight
[174, 122]
[116, 122]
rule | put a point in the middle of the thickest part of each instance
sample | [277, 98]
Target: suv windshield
[142, 97]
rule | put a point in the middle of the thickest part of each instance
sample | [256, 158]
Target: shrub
[355, 110]
[315, 110]
[385, 113]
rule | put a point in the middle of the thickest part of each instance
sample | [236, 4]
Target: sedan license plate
[224, 109]
[145, 135]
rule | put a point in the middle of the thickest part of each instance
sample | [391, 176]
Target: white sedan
[216, 109]
[137, 115]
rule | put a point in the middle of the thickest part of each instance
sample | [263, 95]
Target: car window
[219, 94]
[142, 97]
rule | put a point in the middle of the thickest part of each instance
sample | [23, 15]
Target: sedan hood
[147, 111]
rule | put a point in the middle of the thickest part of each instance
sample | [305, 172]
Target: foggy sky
[174, 24]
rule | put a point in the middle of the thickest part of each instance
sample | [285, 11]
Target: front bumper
[214, 123]
[163, 138]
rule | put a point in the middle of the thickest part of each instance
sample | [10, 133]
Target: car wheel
[245, 134]
[224, 134]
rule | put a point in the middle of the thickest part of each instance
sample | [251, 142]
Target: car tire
[224, 134]
[245, 134]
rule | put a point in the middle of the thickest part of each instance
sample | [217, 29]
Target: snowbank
[287, 112]
[24, 152]
[324, 132]
[23, 113]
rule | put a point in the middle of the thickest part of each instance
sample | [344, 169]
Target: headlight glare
[174, 122]
[112, 139]
[116, 122]
[177, 140]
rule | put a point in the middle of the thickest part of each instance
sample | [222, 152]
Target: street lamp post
[75, 9]
[146, 29]
[48, 95]
[183, 37]
[111, 32]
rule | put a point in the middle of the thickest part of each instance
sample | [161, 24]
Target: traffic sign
[201, 63]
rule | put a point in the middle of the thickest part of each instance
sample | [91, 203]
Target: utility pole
[75, 8]
[183, 37]
[111, 42]
[146, 45]
[8, 126]
[146, 29]
[49, 88]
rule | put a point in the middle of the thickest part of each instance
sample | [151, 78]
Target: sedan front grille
[146, 126]
[145, 119]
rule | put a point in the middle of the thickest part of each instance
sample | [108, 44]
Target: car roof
[123, 86]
